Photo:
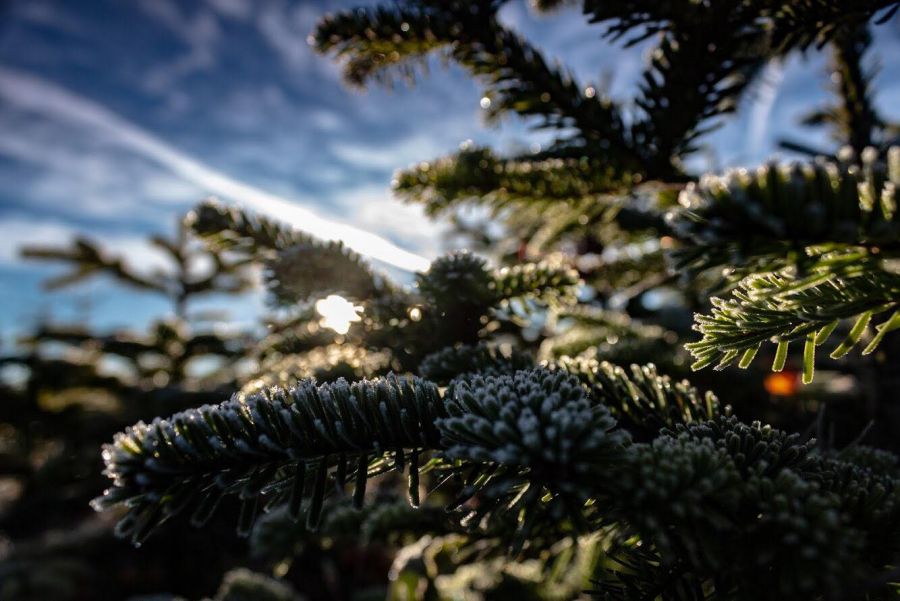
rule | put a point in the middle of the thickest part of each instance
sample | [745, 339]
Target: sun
[337, 313]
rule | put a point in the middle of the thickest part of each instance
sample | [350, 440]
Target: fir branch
[373, 43]
[298, 267]
[706, 57]
[466, 360]
[266, 445]
[766, 219]
[324, 363]
[590, 332]
[517, 77]
[478, 176]
[781, 307]
[460, 281]
[232, 228]
[312, 270]
[88, 259]
[460, 284]
[539, 439]
[855, 117]
[755, 449]
[689, 485]
[545, 281]
[243, 585]
[801, 23]
[641, 399]
[739, 502]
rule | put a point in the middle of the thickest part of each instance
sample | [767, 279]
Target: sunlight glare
[337, 313]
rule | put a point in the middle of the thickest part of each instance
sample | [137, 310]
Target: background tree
[75, 387]
[471, 436]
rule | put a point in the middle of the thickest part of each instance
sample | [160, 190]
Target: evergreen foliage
[515, 423]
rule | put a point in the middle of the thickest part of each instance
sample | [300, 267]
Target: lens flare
[337, 313]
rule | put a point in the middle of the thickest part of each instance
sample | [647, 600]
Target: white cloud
[393, 155]
[235, 9]
[765, 93]
[286, 28]
[200, 33]
[33, 94]
[63, 168]
[375, 208]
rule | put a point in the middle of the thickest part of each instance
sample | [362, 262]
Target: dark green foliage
[677, 495]
[312, 270]
[536, 433]
[732, 508]
[280, 443]
[643, 401]
[562, 479]
[464, 360]
[460, 281]
[821, 249]
[770, 216]
[876, 460]
[753, 448]
[745, 512]
[244, 585]
[805, 22]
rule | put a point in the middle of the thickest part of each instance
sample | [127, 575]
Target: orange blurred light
[783, 383]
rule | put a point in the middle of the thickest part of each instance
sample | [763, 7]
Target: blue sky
[117, 117]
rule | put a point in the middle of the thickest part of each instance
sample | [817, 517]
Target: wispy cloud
[761, 109]
[36, 95]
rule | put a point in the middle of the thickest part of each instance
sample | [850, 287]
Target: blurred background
[117, 117]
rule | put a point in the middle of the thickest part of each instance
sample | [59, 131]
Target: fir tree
[534, 465]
